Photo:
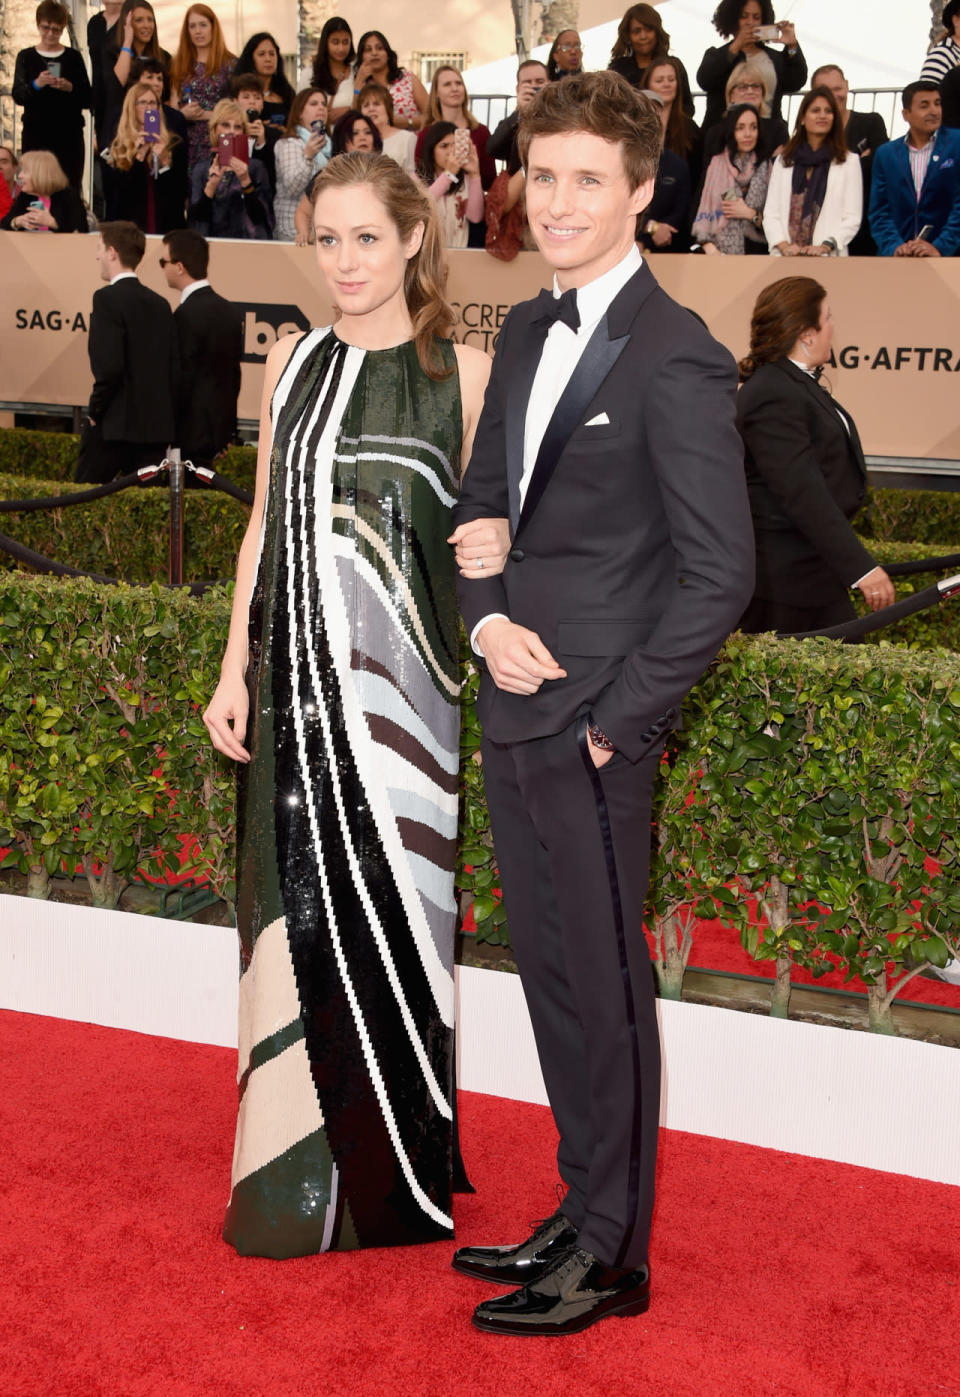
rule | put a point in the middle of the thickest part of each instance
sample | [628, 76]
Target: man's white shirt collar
[594, 298]
[120, 277]
[194, 286]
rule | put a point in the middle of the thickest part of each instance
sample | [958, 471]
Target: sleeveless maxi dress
[347, 814]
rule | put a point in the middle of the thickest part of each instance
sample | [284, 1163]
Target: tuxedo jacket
[210, 342]
[632, 556]
[807, 479]
[133, 356]
[896, 215]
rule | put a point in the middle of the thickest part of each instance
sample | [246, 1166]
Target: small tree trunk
[673, 950]
[105, 889]
[38, 882]
[780, 996]
[880, 1008]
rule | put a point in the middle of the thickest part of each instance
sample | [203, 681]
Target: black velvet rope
[40, 563]
[876, 620]
[97, 492]
[914, 565]
[217, 481]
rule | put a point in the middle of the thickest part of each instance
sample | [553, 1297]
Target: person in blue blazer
[898, 215]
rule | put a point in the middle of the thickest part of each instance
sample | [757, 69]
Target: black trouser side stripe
[606, 834]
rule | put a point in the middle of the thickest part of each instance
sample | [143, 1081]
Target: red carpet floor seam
[772, 1273]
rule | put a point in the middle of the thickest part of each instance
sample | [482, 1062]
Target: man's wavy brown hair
[605, 105]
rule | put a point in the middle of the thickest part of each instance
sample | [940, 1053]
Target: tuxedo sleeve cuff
[493, 616]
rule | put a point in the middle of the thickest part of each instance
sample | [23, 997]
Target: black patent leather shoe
[519, 1264]
[574, 1292]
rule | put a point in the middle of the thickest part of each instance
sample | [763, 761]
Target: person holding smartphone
[450, 102]
[47, 203]
[451, 171]
[300, 155]
[246, 91]
[145, 167]
[749, 27]
[230, 197]
[50, 83]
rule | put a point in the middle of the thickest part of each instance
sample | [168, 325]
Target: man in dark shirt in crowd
[864, 132]
[915, 201]
[502, 145]
[133, 355]
[210, 342]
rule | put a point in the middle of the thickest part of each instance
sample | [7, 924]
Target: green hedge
[926, 516]
[53, 456]
[938, 626]
[127, 535]
[814, 779]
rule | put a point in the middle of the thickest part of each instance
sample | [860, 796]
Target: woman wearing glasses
[50, 83]
[565, 56]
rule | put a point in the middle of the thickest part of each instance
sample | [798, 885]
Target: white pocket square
[601, 420]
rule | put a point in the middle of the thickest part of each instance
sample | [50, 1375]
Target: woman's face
[751, 17]
[155, 82]
[143, 25]
[751, 91]
[200, 30]
[359, 250]
[265, 58]
[643, 39]
[568, 54]
[373, 108]
[442, 152]
[745, 133]
[359, 138]
[26, 179]
[374, 53]
[816, 343]
[314, 109]
[49, 32]
[338, 45]
[450, 89]
[663, 81]
[143, 104]
[230, 126]
[818, 120]
[7, 168]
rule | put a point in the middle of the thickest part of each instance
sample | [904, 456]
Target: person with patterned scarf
[730, 215]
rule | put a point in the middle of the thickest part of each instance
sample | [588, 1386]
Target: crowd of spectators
[225, 145]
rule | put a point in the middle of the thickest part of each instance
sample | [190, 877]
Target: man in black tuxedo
[133, 356]
[864, 132]
[210, 343]
[608, 440]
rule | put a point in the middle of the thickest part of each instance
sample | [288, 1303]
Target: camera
[767, 33]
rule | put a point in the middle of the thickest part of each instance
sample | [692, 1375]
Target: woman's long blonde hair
[425, 278]
[185, 58]
[129, 129]
[434, 112]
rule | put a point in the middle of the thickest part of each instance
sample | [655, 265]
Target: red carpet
[772, 1273]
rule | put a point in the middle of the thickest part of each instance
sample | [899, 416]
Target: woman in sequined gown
[343, 654]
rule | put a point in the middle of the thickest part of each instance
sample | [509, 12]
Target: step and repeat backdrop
[896, 346]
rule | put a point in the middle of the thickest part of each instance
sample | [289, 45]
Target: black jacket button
[517, 555]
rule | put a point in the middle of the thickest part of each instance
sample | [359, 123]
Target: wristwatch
[598, 737]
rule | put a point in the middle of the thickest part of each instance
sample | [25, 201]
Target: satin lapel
[524, 363]
[597, 360]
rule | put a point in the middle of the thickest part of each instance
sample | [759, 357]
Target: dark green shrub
[127, 535]
[53, 456]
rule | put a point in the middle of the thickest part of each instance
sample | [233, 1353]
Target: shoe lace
[540, 1225]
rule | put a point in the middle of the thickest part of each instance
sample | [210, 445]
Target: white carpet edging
[882, 1103]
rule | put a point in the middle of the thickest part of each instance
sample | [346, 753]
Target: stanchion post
[175, 471]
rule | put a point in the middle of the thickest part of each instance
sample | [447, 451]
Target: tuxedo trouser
[573, 847]
[100, 461]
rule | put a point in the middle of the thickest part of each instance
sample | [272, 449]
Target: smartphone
[241, 147]
[317, 127]
[862, 145]
[225, 151]
[731, 194]
[767, 33]
[151, 125]
[925, 231]
[276, 119]
[251, 114]
[53, 67]
[461, 144]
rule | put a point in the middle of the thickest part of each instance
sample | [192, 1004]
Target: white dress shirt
[194, 286]
[119, 277]
[560, 356]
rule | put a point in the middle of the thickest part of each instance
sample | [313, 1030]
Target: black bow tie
[551, 308]
[817, 372]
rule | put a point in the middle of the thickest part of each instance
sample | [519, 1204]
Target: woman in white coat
[814, 204]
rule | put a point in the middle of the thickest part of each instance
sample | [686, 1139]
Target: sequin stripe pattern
[385, 1087]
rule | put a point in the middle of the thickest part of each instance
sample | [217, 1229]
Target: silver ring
[479, 562]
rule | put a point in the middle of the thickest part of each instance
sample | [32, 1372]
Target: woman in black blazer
[806, 475]
[736, 20]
